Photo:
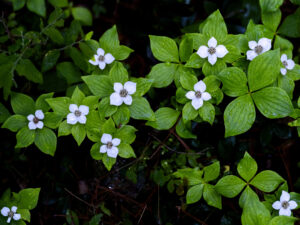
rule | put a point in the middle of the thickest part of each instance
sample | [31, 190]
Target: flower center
[11, 214]
[77, 113]
[285, 204]
[258, 49]
[109, 145]
[35, 120]
[101, 58]
[123, 93]
[211, 50]
[285, 63]
[198, 94]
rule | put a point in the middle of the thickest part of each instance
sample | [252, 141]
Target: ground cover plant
[161, 112]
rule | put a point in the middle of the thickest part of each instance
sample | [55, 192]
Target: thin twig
[79, 198]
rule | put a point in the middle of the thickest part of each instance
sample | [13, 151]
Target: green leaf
[41, 102]
[99, 85]
[194, 194]
[96, 219]
[247, 167]
[108, 162]
[25, 214]
[184, 130]
[93, 125]
[37, 6]
[142, 85]
[230, 186]
[209, 69]
[79, 133]
[68, 71]
[207, 112]
[90, 101]
[22, 104]
[45, 140]
[72, 217]
[273, 102]
[105, 108]
[140, 109]
[26, 68]
[255, 32]
[195, 61]
[287, 84]
[83, 15]
[125, 151]
[255, 213]
[271, 19]
[212, 171]
[25, 137]
[118, 73]
[162, 74]
[164, 49]
[18, 4]
[187, 78]
[110, 40]
[239, 116]
[59, 3]
[64, 129]
[193, 176]
[109, 127]
[55, 35]
[78, 59]
[122, 115]
[126, 134]
[270, 5]
[284, 44]
[15, 123]
[185, 49]
[290, 26]
[121, 52]
[247, 195]
[215, 27]
[28, 198]
[4, 113]
[188, 112]
[264, 69]
[211, 196]
[267, 181]
[52, 120]
[95, 151]
[234, 81]
[77, 96]
[59, 105]
[286, 220]
[165, 118]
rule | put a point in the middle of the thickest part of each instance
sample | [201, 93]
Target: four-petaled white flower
[35, 120]
[110, 145]
[284, 205]
[199, 95]
[101, 59]
[289, 64]
[213, 51]
[10, 213]
[78, 114]
[257, 48]
[123, 93]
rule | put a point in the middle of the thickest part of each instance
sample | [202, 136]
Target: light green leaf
[105, 108]
[194, 194]
[164, 48]
[52, 120]
[110, 40]
[126, 134]
[25, 137]
[212, 171]
[290, 27]
[270, 5]
[215, 27]
[125, 151]
[121, 52]
[118, 73]
[247, 167]
[255, 213]
[22, 104]
[122, 115]
[185, 49]
[280, 220]
[27, 68]
[45, 140]
[165, 118]
[162, 74]
[59, 105]
[77, 96]
[108, 161]
[211, 196]
[79, 133]
[140, 109]
[267, 181]
[287, 84]
[59, 3]
[18, 4]
[187, 78]
[209, 69]
[184, 130]
[142, 85]
[188, 112]
[247, 195]
[83, 15]
[37, 6]
[207, 112]
[192, 175]
[15, 123]
[230, 186]
[100, 86]
[95, 151]
[109, 127]
[41, 102]
[64, 129]
[195, 61]
[271, 19]
[28, 198]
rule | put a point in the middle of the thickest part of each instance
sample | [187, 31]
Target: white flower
[78, 114]
[123, 93]
[213, 51]
[199, 95]
[35, 120]
[102, 59]
[284, 205]
[110, 145]
[263, 45]
[11, 213]
[289, 64]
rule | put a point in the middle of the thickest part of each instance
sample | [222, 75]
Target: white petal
[100, 51]
[276, 205]
[203, 51]
[39, 114]
[205, 96]
[31, 125]
[8, 220]
[251, 54]
[130, 87]
[200, 86]
[84, 109]
[116, 141]
[115, 99]
[283, 71]
[285, 212]
[102, 65]
[212, 42]
[30, 117]
[283, 57]
[293, 204]
[190, 95]
[103, 149]
[212, 59]
[40, 125]
[290, 64]
[14, 209]
[284, 196]
[221, 51]
[265, 43]
[93, 62]
[81, 119]
[197, 103]
[5, 211]
[113, 152]
[127, 100]
[73, 107]
[252, 44]
[17, 216]
[118, 87]
[106, 138]
[108, 58]
[71, 118]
